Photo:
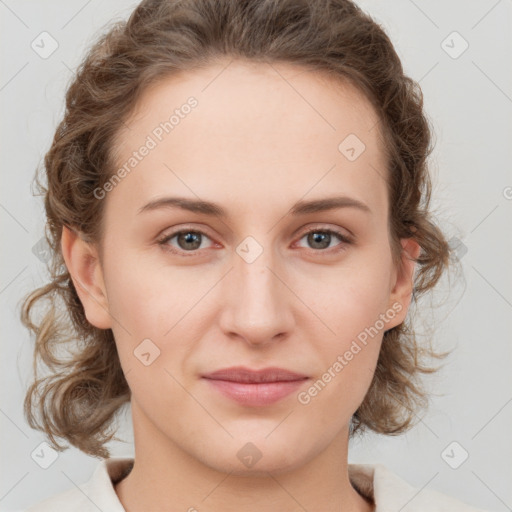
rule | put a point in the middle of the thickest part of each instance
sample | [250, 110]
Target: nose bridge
[259, 302]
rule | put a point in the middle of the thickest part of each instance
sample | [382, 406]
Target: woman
[282, 141]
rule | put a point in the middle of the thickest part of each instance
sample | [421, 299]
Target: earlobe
[404, 283]
[83, 265]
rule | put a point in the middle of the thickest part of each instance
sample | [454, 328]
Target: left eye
[321, 238]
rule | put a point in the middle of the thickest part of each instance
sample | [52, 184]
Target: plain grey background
[459, 51]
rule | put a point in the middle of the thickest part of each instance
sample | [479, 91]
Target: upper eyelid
[338, 231]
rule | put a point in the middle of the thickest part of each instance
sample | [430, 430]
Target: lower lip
[256, 394]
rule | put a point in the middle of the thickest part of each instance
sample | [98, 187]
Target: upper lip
[243, 374]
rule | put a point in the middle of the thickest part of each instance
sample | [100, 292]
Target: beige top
[375, 482]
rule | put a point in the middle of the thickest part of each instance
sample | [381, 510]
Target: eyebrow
[212, 209]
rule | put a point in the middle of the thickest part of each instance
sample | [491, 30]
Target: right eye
[188, 241]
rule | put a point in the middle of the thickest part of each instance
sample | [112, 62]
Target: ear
[83, 265]
[401, 293]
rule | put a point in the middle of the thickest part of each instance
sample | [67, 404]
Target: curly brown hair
[79, 398]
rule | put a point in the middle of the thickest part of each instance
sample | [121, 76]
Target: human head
[333, 39]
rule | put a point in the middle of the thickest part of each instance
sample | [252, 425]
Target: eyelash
[345, 240]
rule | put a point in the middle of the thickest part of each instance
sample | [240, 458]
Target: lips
[248, 376]
[255, 388]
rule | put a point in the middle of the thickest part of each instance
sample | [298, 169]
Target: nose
[257, 304]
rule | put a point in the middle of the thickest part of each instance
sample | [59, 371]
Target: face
[272, 282]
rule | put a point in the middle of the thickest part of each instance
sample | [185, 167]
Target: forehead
[273, 128]
[245, 92]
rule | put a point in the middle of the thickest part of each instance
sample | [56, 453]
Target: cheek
[151, 305]
[351, 305]
[145, 308]
[352, 296]
[134, 302]
[349, 351]
[144, 299]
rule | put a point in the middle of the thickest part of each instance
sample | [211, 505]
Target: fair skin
[254, 146]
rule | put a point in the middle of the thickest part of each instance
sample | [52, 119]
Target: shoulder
[391, 492]
[97, 493]
[72, 500]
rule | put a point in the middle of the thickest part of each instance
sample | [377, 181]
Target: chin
[257, 456]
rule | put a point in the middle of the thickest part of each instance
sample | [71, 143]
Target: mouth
[255, 387]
